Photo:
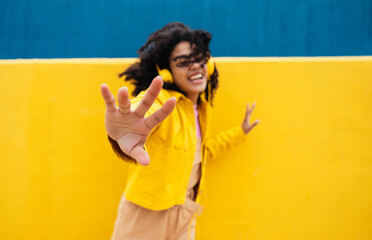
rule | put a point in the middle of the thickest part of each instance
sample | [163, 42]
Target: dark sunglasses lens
[186, 63]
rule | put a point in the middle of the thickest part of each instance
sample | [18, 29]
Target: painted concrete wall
[117, 28]
[304, 173]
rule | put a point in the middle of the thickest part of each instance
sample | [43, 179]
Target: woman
[164, 130]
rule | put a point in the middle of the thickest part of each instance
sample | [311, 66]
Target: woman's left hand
[247, 127]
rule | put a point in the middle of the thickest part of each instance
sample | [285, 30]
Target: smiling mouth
[196, 77]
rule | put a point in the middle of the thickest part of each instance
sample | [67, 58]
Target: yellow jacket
[171, 147]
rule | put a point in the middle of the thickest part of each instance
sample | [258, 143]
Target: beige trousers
[176, 223]
[137, 223]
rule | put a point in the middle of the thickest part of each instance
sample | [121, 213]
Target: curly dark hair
[157, 51]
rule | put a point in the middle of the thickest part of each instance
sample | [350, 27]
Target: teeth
[197, 76]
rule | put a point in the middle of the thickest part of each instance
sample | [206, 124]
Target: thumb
[140, 155]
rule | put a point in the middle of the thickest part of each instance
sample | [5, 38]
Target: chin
[199, 89]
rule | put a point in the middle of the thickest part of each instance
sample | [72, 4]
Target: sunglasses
[187, 60]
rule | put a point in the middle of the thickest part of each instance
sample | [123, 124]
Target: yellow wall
[304, 173]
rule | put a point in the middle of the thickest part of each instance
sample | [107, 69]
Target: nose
[196, 65]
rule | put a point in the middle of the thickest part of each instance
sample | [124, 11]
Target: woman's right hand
[130, 128]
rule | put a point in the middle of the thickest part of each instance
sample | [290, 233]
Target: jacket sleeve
[114, 144]
[219, 144]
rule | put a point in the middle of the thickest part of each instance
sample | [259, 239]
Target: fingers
[123, 100]
[161, 113]
[254, 124]
[140, 155]
[149, 97]
[246, 117]
[247, 127]
[253, 106]
[249, 111]
[108, 98]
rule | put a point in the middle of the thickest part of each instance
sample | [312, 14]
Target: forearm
[219, 144]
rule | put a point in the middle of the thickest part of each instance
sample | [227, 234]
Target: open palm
[246, 125]
[130, 128]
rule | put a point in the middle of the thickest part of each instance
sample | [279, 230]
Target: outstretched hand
[247, 127]
[130, 128]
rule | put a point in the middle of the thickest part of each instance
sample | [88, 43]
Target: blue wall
[117, 28]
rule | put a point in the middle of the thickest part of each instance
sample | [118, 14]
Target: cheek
[175, 71]
[179, 77]
[179, 73]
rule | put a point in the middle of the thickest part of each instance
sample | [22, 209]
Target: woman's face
[189, 72]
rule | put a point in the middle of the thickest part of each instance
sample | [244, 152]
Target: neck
[193, 98]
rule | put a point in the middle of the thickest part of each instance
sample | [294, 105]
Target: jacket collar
[180, 96]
